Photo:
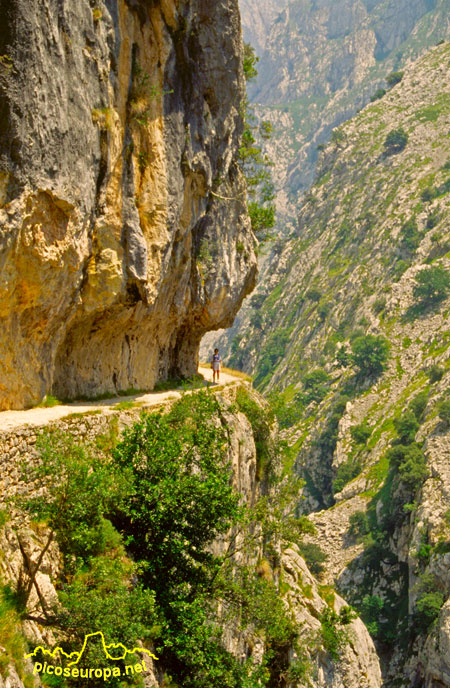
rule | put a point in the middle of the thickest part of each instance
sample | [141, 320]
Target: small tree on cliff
[370, 354]
[255, 164]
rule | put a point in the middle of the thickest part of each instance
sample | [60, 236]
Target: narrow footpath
[10, 420]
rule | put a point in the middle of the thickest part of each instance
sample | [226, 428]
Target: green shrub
[433, 286]
[432, 220]
[406, 427]
[435, 374]
[359, 524]
[333, 632]
[314, 556]
[444, 412]
[409, 463]
[81, 489]
[395, 141]
[413, 469]
[394, 78]
[323, 309]
[410, 235]
[429, 194]
[379, 305]
[361, 433]
[286, 414]
[346, 471]
[427, 609]
[419, 404]
[371, 610]
[379, 93]
[313, 295]
[370, 354]
[316, 386]
[343, 357]
[249, 63]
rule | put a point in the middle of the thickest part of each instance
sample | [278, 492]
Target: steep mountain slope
[258, 17]
[116, 119]
[322, 61]
[353, 327]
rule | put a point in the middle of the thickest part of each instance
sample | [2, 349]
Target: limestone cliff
[117, 121]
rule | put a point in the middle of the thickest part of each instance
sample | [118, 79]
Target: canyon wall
[124, 230]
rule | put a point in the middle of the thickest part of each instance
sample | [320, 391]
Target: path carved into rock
[10, 420]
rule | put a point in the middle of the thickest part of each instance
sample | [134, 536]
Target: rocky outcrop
[124, 230]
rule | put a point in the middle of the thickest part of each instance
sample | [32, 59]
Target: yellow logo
[113, 651]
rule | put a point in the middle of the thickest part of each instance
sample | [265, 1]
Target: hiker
[215, 364]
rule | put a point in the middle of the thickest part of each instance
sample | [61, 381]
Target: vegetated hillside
[178, 536]
[324, 60]
[352, 331]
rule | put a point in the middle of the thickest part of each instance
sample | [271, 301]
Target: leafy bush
[429, 194]
[323, 309]
[413, 470]
[371, 610]
[359, 523]
[81, 489]
[370, 354]
[406, 427]
[334, 635]
[419, 404]
[432, 220]
[313, 295]
[346, 471]
[379, 93]
[379, 305]
[360, 433]
[433, 286]
[314, 556]
[410, 235]
[409, 463]
[316, 386]
[427, 609]
[435, 374]
[343, 357]
[394, 78]
[250, 61]
[444, 412]
[396, 141]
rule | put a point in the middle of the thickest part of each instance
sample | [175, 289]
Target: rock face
[120, 125]
[258, 18]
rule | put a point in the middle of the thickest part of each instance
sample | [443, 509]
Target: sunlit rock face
[124, 231]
